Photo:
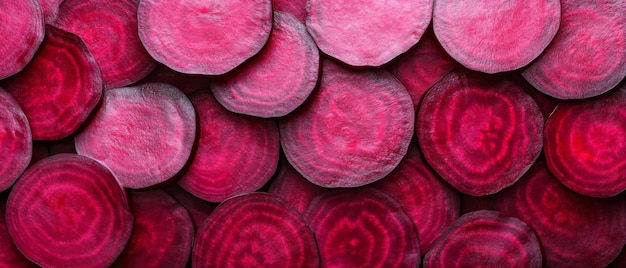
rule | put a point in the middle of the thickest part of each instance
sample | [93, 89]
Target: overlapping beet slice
[185, 82]
[15, 140]
[69, 210]
[50, 9]
[297, 8]
[255, 230]
[198, 209]
[294, 188]
[10, 256]
[21, 34]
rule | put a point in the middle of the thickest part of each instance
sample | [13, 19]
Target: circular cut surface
[22, 31]
[15, 140]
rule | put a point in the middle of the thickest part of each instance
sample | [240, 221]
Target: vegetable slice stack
[198, 209]
[15, 140]
[294, 188]
[21, 34]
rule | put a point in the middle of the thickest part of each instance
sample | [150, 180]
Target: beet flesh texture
[294, 188]
[198, 209]
[588, 54]
[59, 88]
[68, 210]
[50, 9]
[352, 131]
[204, 37]
[10, 256]
[15, 140]
[369, 32]
[297, 8]
[21, 35]
[255, 230]
[480, 132]
[144, 134]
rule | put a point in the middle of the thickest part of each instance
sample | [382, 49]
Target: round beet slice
[199, 210]
[144, 134]
[294, 188]
[15, 140]
[204, 37]
[69, 210]
[279, 79]
[367, 32]
[22, 31]
[494, 36]
[255, 230]
[353, 131]
[480, 132]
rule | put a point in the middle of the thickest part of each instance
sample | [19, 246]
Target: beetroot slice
[236, 154]
[50, 9]
[479, 132]
[294, 188]
[494, 36]
[15, 140]
[353, 131]
[68, 210]
[22, 31]
[279, 79]
[588, 54]
[144, 134]
[369, 32]
[486, 239]
[162, 232]
[620, 261]
[362, 228]
[255, 230]
[10, 256]
[185, 82]
[297, 8]
[204, 37]
[198, 209]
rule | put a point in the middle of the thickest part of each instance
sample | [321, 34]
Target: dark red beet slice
[294, 188]
[495, 36]
[279, 79]
[198, 209]
[255, 230]
[185, 82]
[236, 154]
[588, 54]
[10, 256]
[479, 132]
[115, 44]
[144, 134]
[22, 32]
[162, 232]
[293, 7]
[353, 131]
[367, 33]
[486, 239]
[59, 88]
[50, 9]
[68, 210]
[15, 140]
[204, 37]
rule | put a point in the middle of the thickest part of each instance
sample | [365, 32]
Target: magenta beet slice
[294, 188]
[185, 82]
[367, 33]
[50, 9]
[22, 31]
[59, 88]
[495, 36]
[588, 54]
[279, 79]
[144, 134]
[15, 140]
[198, 209]
[479, 132]
[486, 239]
[204, 37]
[255, 230]
[236, 154]
[10, 256]
[297, 8]
[68, 210]
[353, 131]
[162, 232]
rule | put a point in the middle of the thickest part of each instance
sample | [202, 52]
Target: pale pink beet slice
[10, 256]
[236, 154]
[480, 132]
[494, 36]
[59, 88]
[50, 9]
[204, 37]
[255, 230]
[279, 79]
[187, 83]
[294, 188]
[198, 209]
[15, 140]
[352, 131]
[68, 210]
[297, 8]
[588, 54]
[144, 134]
[367, 32]
[22, 31]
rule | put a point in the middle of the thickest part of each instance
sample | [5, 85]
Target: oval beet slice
[479, 132]
[15, 140]
[353, 131]
[204, 37]
[144, 134]
[68, 210]
[22, 31]
[367, 33]
[10, 256]
[279, 79]
[59, 88]
[255, 230]
[236, 154]
[495, 36]
[294, 188]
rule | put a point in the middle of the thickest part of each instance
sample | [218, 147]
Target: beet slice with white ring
[22, 31]
[15, 140]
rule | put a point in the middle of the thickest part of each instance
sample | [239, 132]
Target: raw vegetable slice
[22, 31]
[50, 9]
[297, 8]
[294, 188]
[10, 256]
[198, 209]
[15, 140]
[185, 82]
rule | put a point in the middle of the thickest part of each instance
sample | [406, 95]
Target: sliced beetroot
[620, 261]
[255, 230]
[353, 131]
[10, 256]
[236, 154]
[15, 140]
[59, 88]
[297, 8]
[185, 82]
[204, 37]
[279, 79]
[367, 33]
[68, 210]
[144, 134]
[294, 188]
[480, 132]
[22, 31]
[198, 209]
[495, 36]
[588, 54]
[50, 9]
[486, 239]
